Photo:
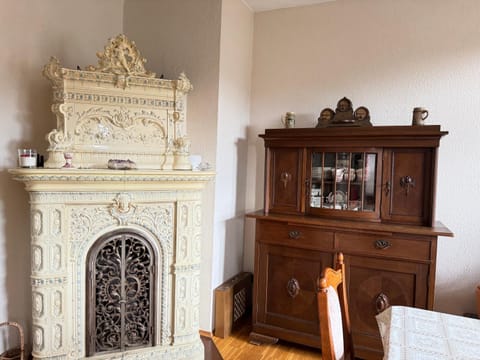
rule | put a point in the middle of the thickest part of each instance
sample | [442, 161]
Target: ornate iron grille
[120, 294]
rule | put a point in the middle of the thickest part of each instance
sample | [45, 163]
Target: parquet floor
[237, 347]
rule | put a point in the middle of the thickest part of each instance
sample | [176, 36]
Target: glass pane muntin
[343, 181]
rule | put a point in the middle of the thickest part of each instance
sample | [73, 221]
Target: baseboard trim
[205, 333]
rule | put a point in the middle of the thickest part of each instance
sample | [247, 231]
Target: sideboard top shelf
[430, 135]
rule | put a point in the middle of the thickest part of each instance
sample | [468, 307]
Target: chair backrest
[333, 315]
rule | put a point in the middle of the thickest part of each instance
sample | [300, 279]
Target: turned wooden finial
[340, 258]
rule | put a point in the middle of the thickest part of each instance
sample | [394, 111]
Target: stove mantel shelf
[43, 179]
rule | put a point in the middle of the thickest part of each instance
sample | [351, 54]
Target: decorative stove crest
[118, 110]
[121, 57]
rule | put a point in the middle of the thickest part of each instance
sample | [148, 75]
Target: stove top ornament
[118, 109]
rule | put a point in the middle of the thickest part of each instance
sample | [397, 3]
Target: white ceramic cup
[195, 161]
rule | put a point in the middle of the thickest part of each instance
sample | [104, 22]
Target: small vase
[68, 160]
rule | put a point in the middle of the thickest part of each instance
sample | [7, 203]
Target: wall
[233, 118]
[32, 31]
[389, 56]
[211, 41]
[184, 36]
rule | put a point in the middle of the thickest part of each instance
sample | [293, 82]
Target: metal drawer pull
[381, 302]
[382, 244]
[294, 234]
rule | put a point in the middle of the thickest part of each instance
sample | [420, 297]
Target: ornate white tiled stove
[74, 210]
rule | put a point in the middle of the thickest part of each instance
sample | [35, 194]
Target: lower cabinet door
[285, 303]
[373, 285]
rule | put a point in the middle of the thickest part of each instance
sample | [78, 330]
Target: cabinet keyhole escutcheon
[285, 177]
[381, 302]
[293, 287]
[407, 182]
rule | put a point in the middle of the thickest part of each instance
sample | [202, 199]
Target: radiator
[233, 303]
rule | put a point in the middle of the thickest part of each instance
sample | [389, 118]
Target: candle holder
[27, 158]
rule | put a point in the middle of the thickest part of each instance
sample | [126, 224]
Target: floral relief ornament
[182, 145]
[122, 208]
[121, 57]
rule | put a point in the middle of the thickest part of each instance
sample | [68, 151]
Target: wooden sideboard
[368, 192]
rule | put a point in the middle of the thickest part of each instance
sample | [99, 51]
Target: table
[417, 334]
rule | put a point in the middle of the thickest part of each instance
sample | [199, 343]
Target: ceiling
[265, 5]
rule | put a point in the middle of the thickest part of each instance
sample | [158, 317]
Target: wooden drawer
[383, 245]
[293, 235]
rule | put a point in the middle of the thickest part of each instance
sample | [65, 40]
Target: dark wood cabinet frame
[390, 253]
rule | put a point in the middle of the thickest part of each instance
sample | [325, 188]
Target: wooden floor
[237, 347]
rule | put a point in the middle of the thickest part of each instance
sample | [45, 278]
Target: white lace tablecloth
[417, 334]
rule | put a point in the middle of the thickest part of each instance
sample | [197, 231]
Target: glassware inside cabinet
[343, 181]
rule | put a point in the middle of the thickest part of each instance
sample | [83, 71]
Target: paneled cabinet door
[373, 285]
[284, 180]
[285, 292]
[407, 186]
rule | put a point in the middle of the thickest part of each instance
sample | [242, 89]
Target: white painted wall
[233, 119]
[390, 56]
[32, 31]
[178, 36]
[211, 41]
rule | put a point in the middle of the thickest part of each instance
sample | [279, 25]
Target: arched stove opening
[121, 275]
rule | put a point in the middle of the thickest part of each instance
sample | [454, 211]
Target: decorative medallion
[122, 208]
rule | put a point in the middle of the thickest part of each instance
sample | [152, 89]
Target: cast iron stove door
[120, 294]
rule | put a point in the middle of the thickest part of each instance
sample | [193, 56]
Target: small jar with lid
[27, 158]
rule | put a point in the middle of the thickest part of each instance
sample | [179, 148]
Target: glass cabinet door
[344, 181]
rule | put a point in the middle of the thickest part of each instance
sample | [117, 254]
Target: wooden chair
[335, 328]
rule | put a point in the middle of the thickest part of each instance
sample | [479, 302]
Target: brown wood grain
[238, 347]
[388, 234]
